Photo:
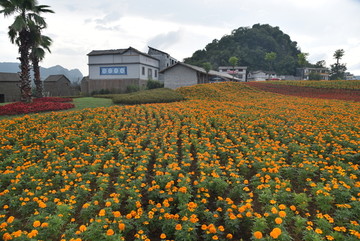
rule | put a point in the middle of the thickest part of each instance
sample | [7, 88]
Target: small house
[181, 74]
[9, 87]
[57, 85]
[260, 75]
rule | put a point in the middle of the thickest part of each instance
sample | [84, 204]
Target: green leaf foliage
[250, 45]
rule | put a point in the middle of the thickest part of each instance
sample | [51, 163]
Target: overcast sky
[180, 27]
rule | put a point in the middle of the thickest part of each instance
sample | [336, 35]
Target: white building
[260, 75]
[114, 70]
[238, 72]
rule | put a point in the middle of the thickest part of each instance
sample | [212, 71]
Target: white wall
[131, 61]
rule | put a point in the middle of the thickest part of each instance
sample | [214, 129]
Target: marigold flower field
[230, 163]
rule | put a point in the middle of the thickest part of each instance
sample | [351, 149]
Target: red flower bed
[37, 106]
[322, 93]
[52, 99]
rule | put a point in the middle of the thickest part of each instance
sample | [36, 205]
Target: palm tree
[27, 17]
[233, 61]
[207, 67]
[338, 55]
[40, 44]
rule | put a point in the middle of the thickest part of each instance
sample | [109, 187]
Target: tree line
[26, 33]
[262, 47]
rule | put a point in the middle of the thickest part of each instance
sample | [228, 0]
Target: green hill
[250, 45]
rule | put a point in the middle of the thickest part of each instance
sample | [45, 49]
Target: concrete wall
[113, 85]
[62, 87]
[10, 91]
[179, 76]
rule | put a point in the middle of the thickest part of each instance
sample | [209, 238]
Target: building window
[155, 74]
[143, 71]
[150, 73]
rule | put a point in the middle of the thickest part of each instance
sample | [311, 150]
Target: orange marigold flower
[108, 204]
[282, 207]
[122, 226]
[36, 224]
[278, 220]
[178, 226]
[82, 228]
[7, 237]
[282, 214]
[258, 235]
[163, 236]
[229, 236]
[10, 219]
[32, 234]
[275, 233]
[102, 212]
[116, 214]
[109, 232]
[44, 225]
[293, 208]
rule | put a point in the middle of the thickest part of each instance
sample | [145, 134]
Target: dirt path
[322, 93]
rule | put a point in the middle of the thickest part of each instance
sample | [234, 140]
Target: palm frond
[19, 24]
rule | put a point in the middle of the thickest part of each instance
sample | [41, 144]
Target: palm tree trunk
[25, 82]
[37, 80]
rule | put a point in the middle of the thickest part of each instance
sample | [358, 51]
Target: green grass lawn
[91, 102]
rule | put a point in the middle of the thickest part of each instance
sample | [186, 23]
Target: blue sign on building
[118, 70]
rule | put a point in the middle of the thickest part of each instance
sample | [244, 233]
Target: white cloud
[182, 27]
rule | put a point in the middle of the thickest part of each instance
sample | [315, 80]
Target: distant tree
[302, 62]
[270, 58]
[314, 76]
[233, 62]
[338, 55]
[27, 16]
[320, 64]
[207, 66]
[250, 44]
[337, 70]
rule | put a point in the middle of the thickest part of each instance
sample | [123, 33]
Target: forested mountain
[250, 46]
[74, 75]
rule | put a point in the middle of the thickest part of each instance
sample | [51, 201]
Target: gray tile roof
[202, 70]
[9, 77]
[54, 78]
[118, 51]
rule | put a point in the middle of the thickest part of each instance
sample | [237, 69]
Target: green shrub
[162, 95]
[101, 92]
[132, 88]
[154, 84]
